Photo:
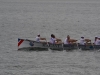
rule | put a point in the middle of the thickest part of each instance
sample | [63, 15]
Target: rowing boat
[41, 46]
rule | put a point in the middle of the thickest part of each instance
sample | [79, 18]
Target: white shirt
[82, 41]
[37, 39]
[52, 40]
[97, 42]
[66, 41]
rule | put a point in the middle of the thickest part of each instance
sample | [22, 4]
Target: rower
[97, 41]
[39, 39]
[69, 41]
[52, 39]
[82, 41]
[66, 41]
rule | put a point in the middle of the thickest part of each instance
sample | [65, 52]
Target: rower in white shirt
[66, 41]
[69, 41]
[52, 39]
[39, 39]
[82, 41]
[97, 41]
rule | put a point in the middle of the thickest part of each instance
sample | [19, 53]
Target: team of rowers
[68, 40]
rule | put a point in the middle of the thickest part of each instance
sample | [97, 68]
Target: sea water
[27, 18]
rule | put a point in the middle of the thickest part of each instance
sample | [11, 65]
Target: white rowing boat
[31, 44]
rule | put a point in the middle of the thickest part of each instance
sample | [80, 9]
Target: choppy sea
[27, 18]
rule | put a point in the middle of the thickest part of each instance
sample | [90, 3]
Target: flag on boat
[20, 41]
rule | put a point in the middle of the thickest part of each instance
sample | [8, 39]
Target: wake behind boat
[45, 46]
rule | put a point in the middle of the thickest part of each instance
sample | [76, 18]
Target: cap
[82, 37]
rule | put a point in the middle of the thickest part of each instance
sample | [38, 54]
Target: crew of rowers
[82, 41]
